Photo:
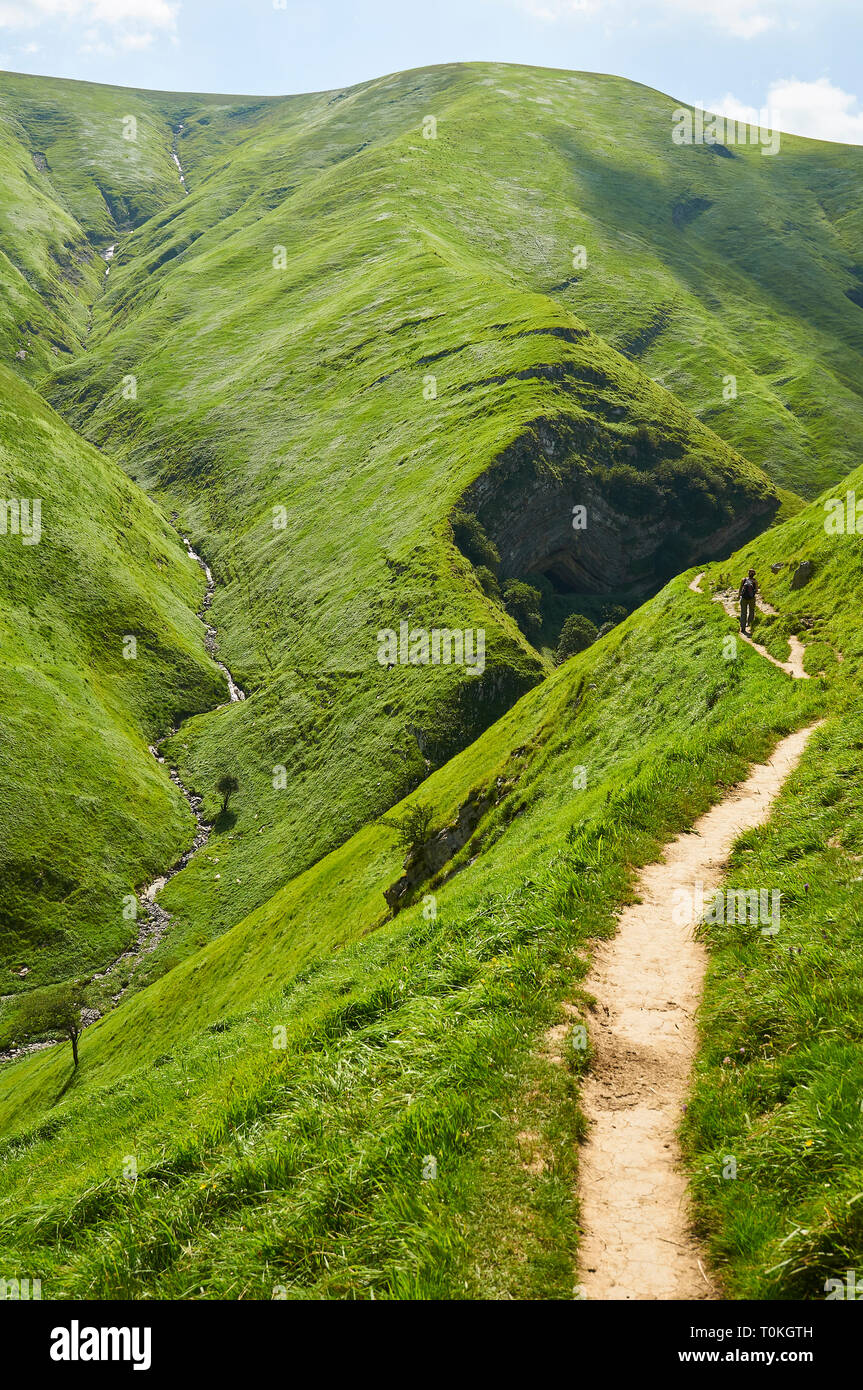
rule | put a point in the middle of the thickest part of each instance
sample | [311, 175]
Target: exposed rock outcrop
[802, 574]
[430, 858]
[639, 527]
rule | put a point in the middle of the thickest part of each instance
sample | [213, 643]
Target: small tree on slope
[56, 1009]
[226, 786]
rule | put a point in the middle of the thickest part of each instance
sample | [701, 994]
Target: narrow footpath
[794, 665]
[637, 1241]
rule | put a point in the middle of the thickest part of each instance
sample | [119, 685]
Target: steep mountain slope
[284, 1091]
[402, 1045]
[72, 180]
[703, 261]
[87, 815]
[401, 358]
[779, 1080]
[329, 338]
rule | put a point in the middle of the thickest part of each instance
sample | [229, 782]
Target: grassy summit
[702, 262]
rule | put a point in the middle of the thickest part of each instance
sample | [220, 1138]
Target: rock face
[802, 574]
[438, 850]
[633, 534]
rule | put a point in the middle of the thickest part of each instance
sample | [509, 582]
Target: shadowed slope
[87, 816]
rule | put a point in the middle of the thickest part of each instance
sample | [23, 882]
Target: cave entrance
[561, 577]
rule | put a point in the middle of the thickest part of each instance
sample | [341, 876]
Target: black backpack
[747, 588]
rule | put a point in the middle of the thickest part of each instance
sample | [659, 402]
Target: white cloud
[97, 47]
[817, 109]
[136, 41]
[113, 13]
[742, 24]
[553, 10]
[116, 12]
[103, 27]
[740, 19]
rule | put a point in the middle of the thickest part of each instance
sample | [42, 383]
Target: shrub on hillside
[647, 443]
[577, 633]
[472, 541]
[488, 582]
[226, 786]
[412, 827]
[630, 491]
[523, 602]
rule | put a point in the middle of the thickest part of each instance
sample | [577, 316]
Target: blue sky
[798, 58]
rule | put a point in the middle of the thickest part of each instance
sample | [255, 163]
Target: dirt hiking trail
[637, 1242]
[794, 665]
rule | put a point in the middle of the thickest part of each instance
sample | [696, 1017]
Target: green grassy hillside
[702, 262]
[282, 1091]
[260, 1166]
[71, 182]
[338, 395]
[779, 1078]
[87, 815]
[439, 268]
[337, 336]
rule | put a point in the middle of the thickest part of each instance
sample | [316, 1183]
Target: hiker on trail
[748, 590]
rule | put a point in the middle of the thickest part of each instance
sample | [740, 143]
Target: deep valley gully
[155, 921]
[637, 1241]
